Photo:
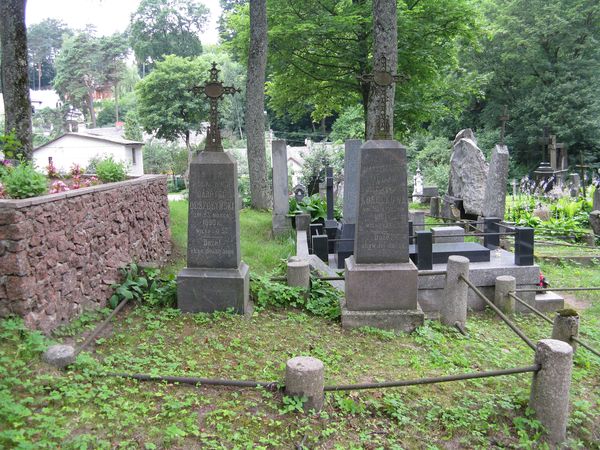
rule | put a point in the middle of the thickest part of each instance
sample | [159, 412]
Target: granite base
[392, 319]
[209, 290]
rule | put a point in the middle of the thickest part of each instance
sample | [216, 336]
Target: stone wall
[60, 253]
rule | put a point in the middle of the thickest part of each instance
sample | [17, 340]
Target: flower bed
[59, 253]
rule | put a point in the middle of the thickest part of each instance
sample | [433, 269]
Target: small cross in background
[503, 119]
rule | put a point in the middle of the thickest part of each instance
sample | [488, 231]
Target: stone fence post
[504, 285]
[550, 388]
[305, 377]
[454, 306]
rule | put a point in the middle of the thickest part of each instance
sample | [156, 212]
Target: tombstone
[323, 190]
[330, 222]
[351, 155]
[429, 192]
[446, 235]
[418, 187]
[434, 206]
[280, 221]
[514, 188]
[215, 278]
[495, 189]
[299, 192]
[575, 185]
[596, 204]
[468, 173]
[381, 280]
[418, 219]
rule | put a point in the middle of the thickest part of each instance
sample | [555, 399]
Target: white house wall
[70, 150]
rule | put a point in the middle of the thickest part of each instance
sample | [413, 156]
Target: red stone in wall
[60, 253]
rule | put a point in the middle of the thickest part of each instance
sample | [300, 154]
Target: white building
[80, 148]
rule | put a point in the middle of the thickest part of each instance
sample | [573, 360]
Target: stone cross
[503, 119]
[545, 141]
[214, 90]
[582, 168]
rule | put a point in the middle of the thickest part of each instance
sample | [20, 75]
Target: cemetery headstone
[596, 204]
[351, 155]
[418, 187]
[575, 184]
[495, 190]
[330, 222]
[445, 235]
[280, 221]
[468, 173]
[215, 278]
[299, 192]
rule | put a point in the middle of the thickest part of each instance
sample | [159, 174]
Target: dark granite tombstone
[344, 246]
[381, 280]
[215, 278]
[330, 222]
[423, 249]
[524, 242]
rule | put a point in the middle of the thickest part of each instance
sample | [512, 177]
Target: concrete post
[454, 306]
[304, 377]
[59, 356]
[550, 388]
[504, 285]
[298, 273]
[566, 326]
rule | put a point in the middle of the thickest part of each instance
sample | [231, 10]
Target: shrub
[24, 182]
[109, 170]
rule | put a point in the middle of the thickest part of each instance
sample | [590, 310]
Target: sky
[109, 16]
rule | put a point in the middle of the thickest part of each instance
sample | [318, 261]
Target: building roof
[95, 137]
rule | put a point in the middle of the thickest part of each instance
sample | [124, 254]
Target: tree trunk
[260, 192]
[380, 109]
[14, 73]
[91, 108]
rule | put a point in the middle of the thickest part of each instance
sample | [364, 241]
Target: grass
[83, 408]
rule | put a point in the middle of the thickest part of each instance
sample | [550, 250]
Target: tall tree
[318, 48]
[44, 41]
[255, 106]
[13, 72]
[86, 64]
[167, 27]
[167, 105]
[543, 62]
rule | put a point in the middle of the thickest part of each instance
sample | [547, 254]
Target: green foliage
[432, 155]
[109, 170]
[313, 205]
[349, 125]
[107, 115]
[147, 285]
[87, 63]
[167, 27]
[322, 301]
[132, 129]
[334, 40]
[23, 181]
[530, 68]
[293, 404]
[165, 157]
[318, 159]
[10, 145]
[167, 105]
[44, 41]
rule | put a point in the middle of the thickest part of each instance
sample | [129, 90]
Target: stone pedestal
[209, 290]
[215, 278]
[381, 280]
[351, 155]
[281, 222]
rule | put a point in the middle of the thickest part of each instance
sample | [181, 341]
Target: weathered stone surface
[59, 356]
[393, 319]
[280, 221]
[595, 221]
[468, 172]
[62, 253]
[444, 235]
[382, 224]
[380, 286]
[504, 285]
[298, 273]
[456, 292]
[565, 328]
[497, 180]
[596, 204]
[213, 222]
[211, 289]
[305, 377]
[550, 386]
[543, 213]
[351, 163]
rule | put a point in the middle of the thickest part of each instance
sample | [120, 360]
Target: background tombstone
[596, 203]
[351, 155]
[215, 278]
[280, 221]
[494, 203]
[299, 192]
